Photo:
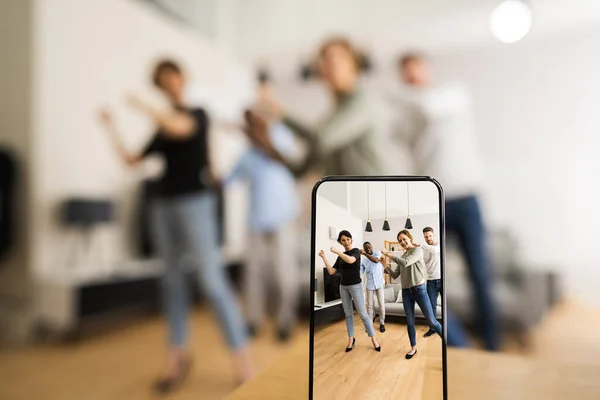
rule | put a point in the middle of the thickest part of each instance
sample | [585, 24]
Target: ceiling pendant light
[408, 224]
[368, 228]
[386, 224]
[511, 20]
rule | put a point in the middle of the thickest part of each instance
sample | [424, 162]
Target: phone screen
[378, 306]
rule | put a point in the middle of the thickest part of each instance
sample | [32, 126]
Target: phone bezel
[442, 239]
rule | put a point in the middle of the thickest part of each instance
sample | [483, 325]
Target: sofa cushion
[394, 309]
[388, 294]
[397, 289]
[399, 297]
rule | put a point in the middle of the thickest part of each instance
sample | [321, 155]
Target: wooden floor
[365, 374]
[123, 364]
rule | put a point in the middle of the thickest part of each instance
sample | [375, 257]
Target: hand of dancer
[270, 108]
[384, 252]
[106, 117]
[363, 252]
[257, 130]
[322, 254]
[137, 103]
[334, 250]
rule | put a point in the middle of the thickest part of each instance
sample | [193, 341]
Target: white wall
[88, 55]
[329, 214]
[538, 122]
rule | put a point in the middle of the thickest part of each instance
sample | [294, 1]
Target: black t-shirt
[350, 272]
[186, 159]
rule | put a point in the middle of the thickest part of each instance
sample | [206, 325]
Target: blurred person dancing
[348, 264]
[431, 257]
[184, 222]
[371, 265]
[413, 275]
[347, 141]
[437, 124]
[274, 210]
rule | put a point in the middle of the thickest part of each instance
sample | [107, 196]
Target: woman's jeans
[419, 295]
[187, 226]
[464, 219]
[355, 292]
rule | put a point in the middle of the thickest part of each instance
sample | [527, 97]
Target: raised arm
[331, 270]
[174, 123]
[370, 257]
[257, 132]
[415, 255]
[429, 248]
[345, 257]
[128, 157]
[395, 273]
[347, 124]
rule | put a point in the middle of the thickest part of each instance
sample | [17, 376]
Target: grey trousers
[272, 257]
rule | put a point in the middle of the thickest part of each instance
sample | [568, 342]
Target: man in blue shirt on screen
[371, 264]
[274, 208]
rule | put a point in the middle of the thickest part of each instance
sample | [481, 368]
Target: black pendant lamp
[408, 224]
[368, 228]
[386, 224]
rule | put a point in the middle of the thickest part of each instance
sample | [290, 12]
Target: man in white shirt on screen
[371, 265]
[431, 256]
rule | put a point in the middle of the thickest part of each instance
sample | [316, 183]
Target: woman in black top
[184, 221]
[348, 265]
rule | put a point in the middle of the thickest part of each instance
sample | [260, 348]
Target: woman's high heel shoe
[351, 347]
[409, 356]
[378, 348]
[167, 385]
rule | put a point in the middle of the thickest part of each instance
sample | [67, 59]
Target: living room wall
[331, 215]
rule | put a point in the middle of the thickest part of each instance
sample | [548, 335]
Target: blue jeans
[418, 294]
[463, 218]
[187, 226]
[355, 292]
[434, 288]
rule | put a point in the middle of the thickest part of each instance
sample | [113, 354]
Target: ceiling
[352, 196]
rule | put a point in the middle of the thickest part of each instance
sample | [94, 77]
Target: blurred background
[80, 293]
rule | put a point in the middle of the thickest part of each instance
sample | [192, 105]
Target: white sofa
[395, 307]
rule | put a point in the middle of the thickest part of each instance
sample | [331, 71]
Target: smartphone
[378, 310]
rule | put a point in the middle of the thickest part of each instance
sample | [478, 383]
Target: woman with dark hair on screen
[184, 221]
[413, 277]
[348, 140]
[348, 265]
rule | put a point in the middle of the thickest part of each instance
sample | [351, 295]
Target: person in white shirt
[431, 256]
[372, 266]
[436, 122]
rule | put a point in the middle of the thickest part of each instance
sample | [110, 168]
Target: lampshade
[368, 228]
[408, 224]
[386, 225]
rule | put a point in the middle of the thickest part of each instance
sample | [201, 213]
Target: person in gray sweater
[413, 276]
[348, 140]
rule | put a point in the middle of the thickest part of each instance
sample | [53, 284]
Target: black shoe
[168, 385]
[381, 328]
[283, 334]
[252, 330]
[351, 347]
[430, 332]
[409, 356]
[378, 348]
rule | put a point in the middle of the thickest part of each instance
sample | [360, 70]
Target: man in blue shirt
[274, 208]
[372, 266]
